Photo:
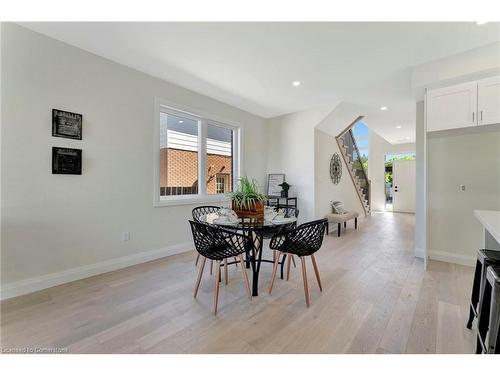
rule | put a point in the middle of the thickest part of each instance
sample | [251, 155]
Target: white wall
[470, 157]
[291, 151]
[325, 189]
[60, 227]
[420, 204]
[378, 148]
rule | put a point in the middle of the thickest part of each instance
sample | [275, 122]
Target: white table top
[490, 221]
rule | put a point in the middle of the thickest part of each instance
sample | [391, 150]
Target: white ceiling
[252, 65]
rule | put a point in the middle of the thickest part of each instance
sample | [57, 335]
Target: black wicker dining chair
[198, 213]
[302, 241]
[289, 212]
[218, 244]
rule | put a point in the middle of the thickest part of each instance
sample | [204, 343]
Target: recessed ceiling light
[481, 22]
[383, 108]
[296, 83]
[398, 127]
[181, 121]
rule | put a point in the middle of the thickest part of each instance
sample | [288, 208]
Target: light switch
[462, 187]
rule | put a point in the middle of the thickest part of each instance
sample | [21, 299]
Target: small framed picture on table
[273, 182]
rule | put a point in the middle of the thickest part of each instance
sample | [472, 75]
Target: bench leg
[355, 223]
[338, 230]
[345, 224]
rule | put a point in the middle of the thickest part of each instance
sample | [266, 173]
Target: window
[178, 155]
[198, 157]
[219, 159]
[222, 184]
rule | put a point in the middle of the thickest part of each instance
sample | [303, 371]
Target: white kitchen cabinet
[488, 101]
[452, 107]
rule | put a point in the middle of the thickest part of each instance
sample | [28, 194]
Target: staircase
[352, 159]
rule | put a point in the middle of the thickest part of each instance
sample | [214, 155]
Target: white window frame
[204, 119]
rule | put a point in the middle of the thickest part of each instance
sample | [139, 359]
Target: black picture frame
[66, 160]
[66, 124]
[273, 181]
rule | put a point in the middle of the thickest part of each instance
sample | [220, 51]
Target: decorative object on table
[247, 202]
[66, 160]
[335, 168]
[274, 180]
[227, 215]
[285, 186]
[66, 124]
[269, 213]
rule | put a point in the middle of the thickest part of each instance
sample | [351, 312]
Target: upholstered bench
[341, 218]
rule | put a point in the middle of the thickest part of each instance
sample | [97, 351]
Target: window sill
[190, 200]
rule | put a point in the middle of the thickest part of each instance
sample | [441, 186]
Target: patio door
[404, 185]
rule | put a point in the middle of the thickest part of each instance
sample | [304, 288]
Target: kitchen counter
[491, 228]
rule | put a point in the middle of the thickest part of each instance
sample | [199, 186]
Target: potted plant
[285, 186]
[247, 202]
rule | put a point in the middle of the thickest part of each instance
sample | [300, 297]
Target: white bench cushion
[340, 218]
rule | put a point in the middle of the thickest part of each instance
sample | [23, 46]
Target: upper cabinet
[452, 107]
[468, 104]
[488, 101]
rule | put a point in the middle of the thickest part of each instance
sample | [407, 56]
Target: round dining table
[257, 230]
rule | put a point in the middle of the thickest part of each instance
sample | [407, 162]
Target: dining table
[257, 230]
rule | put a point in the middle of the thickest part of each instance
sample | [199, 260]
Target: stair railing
[357, 172]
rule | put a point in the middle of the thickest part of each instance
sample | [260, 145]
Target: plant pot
[256, 211]
[284, 193]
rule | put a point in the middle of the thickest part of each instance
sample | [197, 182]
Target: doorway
[400, 182]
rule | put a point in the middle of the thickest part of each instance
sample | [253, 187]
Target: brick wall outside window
[179, 171]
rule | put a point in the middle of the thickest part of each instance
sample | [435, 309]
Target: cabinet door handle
[472, 116]
[481, 115]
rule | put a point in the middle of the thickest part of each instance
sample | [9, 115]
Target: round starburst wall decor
[335, 168]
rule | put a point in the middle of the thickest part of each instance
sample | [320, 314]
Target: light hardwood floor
[376, 299]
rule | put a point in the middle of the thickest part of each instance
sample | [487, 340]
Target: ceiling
[252, 65]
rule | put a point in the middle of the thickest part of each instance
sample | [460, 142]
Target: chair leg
[304, 276]
[288, 267]
[345, 224]
[197, 259]
[476, 290]
[471, 318]
[200, 274]
[216, 289]
[316, 272]
[275, 268]
[355, 223]
[245, 277]
[211, 266]
[236, 260]
[293, 261]
[225, 271]
[338, 230]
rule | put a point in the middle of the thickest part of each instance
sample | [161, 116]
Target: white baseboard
[445, 256]
[34, 284]
[419, 252]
